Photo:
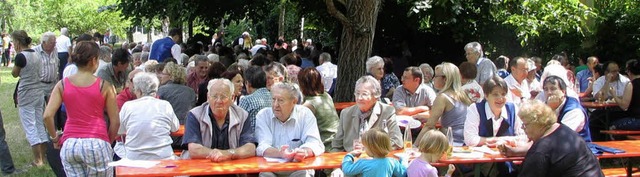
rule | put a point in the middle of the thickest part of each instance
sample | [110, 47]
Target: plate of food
[408, 121]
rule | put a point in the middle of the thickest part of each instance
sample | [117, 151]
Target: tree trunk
[281, 18]
[356, 43]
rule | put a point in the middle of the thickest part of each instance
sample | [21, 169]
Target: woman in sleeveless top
[450, 106]
[320, 103]
[630, 100]
[30, 95]
[86, 141]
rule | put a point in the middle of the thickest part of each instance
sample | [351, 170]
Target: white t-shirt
[71, 69]
[147, 123]
[63, 43]
[329, 72]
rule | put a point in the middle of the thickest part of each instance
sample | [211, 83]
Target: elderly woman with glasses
[368, 113]
[147, 122]
[556, 150]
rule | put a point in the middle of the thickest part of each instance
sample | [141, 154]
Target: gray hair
[291, 89]
[427, 68]
[200, 58]
[326, 57]
[217, 81]
[46, 36]
[374, 61]
[276, 68]
[213, 57]
[64, 31]
[377, 91]
[146, 83]
[105, 54]
[144, 56]
[475, 46]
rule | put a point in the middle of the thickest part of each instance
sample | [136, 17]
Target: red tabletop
[595, 105]
[342, 105]
[180, 131]
[249, 165]
[621, 132]
[634, 137]
[632, 148]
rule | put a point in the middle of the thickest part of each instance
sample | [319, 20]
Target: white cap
[309, 41]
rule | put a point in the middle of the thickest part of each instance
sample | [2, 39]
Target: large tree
[358, 29]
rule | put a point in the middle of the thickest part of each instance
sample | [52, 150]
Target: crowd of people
[258, 99]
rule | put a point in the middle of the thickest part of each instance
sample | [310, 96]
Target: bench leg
[629, 167]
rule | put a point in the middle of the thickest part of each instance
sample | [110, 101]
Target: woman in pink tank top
[86, 148]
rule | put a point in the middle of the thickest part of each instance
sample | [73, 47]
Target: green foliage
[39, 16]
[617, 36]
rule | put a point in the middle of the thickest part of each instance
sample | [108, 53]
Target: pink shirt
[85, 111]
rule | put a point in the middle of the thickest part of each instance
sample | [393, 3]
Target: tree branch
[331, 8]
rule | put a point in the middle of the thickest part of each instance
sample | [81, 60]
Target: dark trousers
[6, 162]
[6, 59]
[63, 56]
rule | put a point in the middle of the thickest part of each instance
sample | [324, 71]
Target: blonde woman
[450, 106]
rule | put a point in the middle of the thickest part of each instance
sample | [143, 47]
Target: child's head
[377, 143]
[433, 142]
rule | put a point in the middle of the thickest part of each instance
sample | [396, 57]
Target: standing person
[30, 95]
[4, 49]
[377, 144]
[48, 56]
[486, 68]
[328, 70]
[63, 46]
[6, 162]
[86, 97]
[168, 47]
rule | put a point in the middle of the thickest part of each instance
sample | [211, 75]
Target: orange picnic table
[342, 105]
[324, 161]
[180, 131]
[240, 166]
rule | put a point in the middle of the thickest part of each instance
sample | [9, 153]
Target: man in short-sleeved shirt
[287, 125]
[413, 97]
[486, 68]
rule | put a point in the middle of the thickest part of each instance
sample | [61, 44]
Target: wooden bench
[619, 172]
[621, 132]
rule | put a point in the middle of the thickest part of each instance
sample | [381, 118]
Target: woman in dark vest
[493, 121]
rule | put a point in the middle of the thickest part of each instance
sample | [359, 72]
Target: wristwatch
[233, 153]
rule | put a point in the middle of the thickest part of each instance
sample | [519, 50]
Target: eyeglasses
[219, 97]
[365, 95]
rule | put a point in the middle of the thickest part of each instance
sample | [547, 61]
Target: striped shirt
[49, 71]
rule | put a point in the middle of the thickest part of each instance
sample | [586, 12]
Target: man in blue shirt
[584, 76]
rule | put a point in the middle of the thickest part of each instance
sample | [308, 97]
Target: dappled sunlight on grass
[15, 137]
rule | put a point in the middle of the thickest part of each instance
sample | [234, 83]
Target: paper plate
[403, 121]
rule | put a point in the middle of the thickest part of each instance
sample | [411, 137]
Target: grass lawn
[15, 137]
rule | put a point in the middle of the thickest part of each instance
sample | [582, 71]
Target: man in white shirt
[611, 80]
[287, 130]
[328, 70]
[257, 47]
[63, 46]
[518, 87]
